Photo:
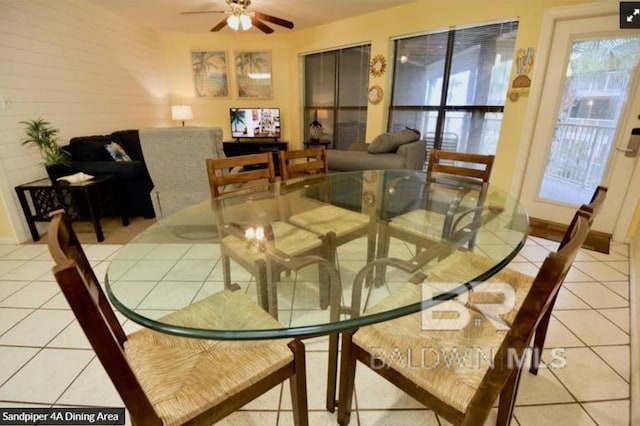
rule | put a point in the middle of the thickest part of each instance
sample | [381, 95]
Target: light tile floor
[46, 361]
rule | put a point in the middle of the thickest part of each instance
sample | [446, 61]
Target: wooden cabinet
[233, 149]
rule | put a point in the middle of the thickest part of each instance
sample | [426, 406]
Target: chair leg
[329, 248]
[298, 385]
[371, 252]
[540, 336]
[347, 378]
[508, 398]
[384, 240]
[332, 372]
[263, 283]
[226, 271]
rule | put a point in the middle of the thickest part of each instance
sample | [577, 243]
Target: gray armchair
[175, 157]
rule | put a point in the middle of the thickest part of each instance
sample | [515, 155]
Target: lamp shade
[181, 112]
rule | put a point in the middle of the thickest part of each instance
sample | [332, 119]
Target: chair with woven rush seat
[522, 282]
[338, 224]
[541, 331]
[239, 170]
[457, 180]
[165, 379]
[335, 224]
[315, 162]
[289, 239]
[488, 360]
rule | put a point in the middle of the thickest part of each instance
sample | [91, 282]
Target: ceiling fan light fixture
[234, 22]
[245, 22]
[239, 20]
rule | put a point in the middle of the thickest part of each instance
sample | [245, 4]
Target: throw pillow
[117, 152]
[389, 142]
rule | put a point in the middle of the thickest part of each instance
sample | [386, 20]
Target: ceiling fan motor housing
[241, 3]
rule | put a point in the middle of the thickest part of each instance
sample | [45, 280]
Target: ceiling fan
[240, 18]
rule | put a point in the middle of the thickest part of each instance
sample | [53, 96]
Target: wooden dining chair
[233, 173]
[337, 224]
[462, 265]
[465, 177]
[592, 208]
[459, 373]
[165, 379]
[302, 162]
[289, 239]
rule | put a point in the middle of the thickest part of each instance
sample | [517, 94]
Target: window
[452, 86]
[336, 92]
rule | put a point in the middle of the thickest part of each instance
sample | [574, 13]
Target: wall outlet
[5, 103]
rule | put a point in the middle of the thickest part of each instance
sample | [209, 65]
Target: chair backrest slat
[238, 170]
[597, 200]
[91, 308]
[594, 206]
[315, 162]
[436, 166]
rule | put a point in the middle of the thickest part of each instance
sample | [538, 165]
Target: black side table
[80, 199]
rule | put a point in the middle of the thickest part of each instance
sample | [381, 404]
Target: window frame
[442, 109]
[336, 108]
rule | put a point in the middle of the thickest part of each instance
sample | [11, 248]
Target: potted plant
[40, 133]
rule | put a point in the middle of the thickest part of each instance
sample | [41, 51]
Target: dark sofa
[89, 155]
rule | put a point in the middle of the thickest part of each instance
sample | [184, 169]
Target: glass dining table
[337, 252]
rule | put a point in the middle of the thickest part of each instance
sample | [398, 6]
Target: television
[255, 123]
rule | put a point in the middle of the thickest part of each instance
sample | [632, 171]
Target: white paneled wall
[78, 66]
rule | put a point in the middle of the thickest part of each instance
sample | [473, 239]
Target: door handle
[633, 145]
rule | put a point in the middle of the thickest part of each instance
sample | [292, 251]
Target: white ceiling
[164, 15]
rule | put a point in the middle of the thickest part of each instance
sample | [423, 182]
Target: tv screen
[255, 122]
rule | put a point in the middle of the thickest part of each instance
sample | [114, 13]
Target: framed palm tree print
[253, 74]
[210, 74]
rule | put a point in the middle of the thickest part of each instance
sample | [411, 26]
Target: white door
[589, 104]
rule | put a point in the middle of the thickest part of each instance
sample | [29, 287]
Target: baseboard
[634, 291]
[7, 240]
[598, 241]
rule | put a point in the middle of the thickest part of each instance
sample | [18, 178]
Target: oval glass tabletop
[315, 256]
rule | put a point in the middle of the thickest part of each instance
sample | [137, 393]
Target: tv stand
[256, 140]
[255, 146]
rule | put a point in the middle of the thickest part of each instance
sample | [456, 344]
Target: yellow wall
[376, 28]
[5, 226]
[215, 111]
[634, 227]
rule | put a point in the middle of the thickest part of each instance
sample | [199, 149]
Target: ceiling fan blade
[274, 20]
[220, 26]
[261, 25]
[202, 11]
